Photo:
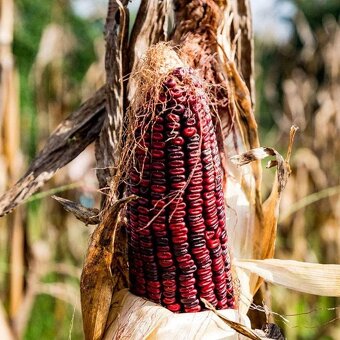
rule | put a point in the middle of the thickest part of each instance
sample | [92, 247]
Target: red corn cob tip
[177, 237]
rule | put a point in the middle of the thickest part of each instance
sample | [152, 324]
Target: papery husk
[311, 278]
[134, 318]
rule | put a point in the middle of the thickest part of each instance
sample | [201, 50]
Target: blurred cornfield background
[53, 60]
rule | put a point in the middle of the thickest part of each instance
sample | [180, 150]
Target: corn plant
[182, 221]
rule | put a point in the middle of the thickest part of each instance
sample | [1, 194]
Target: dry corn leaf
[311, 278]
[134, 318]
[239, 328]
[86, 215]
[97, 282]
[69, 139]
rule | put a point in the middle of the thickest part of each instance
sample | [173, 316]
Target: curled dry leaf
[283, 169]
[86, 215]
[97, 282]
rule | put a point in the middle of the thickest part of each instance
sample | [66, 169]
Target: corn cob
[176, 229]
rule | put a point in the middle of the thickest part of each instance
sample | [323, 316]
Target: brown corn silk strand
[177, 236]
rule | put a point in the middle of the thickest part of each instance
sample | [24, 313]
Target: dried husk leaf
[86, 215]
[134, 318]
[311, 278]
[97, 282]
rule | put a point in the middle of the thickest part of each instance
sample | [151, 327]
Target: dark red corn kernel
[186, 264]
[196, 181]
[176, 155]
[177, 178]
[195, 188]
[153, 290]
[184, 245]
[183, 258]
[173, 118]
[173, 126]
[200, 251]
[178, 185]
[196, 203]
[158, 127]
[172, 134]
[202, 258]
[174, 148]
[155, 284]
[209, 187]
[178, 233]
[179, 239]
[166, 263]
[176, 93]
[212, 222]
[181, 99]
[157, 153]
[189, 293]
[193, 161]
[179, 205]
[184, 277]
[158, 203]
[176, 307]
[196, 169]
[191, 121]
[158, 166]
[143, 210]
[195, 211]
[198, 227]
[194, 153]
[188, 282]
[186, 289]
[209, 210]
[176, 220]
[193, 146]
[170, 83]
[156, 298]
[180, 252]
[193, 196]
[158, 188]
[195, 218]
[177, 171]
[157, 136]
[189, 269]
[178, 213]
[195, 309]
[169, 301]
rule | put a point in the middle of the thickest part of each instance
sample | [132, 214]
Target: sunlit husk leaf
[311, 278]
[135, 318]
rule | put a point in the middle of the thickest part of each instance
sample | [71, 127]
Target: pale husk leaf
[311, 278]
[135, 318]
